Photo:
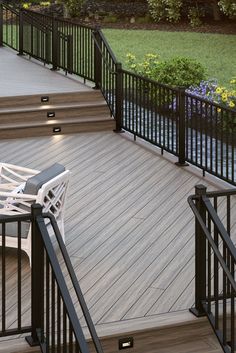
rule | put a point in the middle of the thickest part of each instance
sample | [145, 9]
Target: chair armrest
[15, 203]
[12, 175]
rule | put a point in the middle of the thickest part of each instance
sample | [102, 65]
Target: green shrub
[73, 7]
[228, 7]
[165, 9]
[195, 15]
[181, 71]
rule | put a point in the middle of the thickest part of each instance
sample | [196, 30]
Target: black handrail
[75, 283]
[215, 253]
[59, 279]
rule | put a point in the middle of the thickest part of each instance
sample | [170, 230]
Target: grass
[214, 51]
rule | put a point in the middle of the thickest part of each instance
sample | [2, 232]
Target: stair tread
[27, 109]
[55, 122]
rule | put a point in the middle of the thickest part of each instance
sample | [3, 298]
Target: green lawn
[217, 52]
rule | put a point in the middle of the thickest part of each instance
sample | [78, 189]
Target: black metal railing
[52, 314]
[197, 131]
[215, 285]
[14, 277]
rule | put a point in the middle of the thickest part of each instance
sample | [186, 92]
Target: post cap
[200, 189]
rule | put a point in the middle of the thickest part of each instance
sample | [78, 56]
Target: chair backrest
[52, 194]
[33, 184]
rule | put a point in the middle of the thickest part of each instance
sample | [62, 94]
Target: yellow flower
[219, 90]
[232, 81]
[218, 110]
[231, 104]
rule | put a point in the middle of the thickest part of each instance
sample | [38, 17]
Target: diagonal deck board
[129, 229]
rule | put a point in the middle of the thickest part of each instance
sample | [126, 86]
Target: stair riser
[65, 129]
[41, 115]
[60, 98]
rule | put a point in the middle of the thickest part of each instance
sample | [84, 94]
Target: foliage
[178, 71]
[212, 91]
[26, 5]
[194, 15]
[73, 7]
[148, 67]
[228, 7]
[165, 9]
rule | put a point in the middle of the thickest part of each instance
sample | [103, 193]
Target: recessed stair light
[57, 129]
[51, 114]
[44, 99]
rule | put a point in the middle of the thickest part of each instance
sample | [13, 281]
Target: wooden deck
[129, 229]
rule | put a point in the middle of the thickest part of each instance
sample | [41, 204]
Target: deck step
[69, 112]
[161, 334]
[53, 98]
[66, 126]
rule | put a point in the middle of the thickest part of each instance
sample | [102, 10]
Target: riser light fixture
[51, 114]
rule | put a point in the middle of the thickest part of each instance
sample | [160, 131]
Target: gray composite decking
[21, 76]
[129, 229]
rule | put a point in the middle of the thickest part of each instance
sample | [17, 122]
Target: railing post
[54, 44]
[119, 98]
[200, 255]
[37, 278]
[21, 34]
[70, 54]
[97, 59]
[1, 23]
[181, 130]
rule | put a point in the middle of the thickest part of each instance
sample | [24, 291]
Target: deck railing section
[9, 26]
[210, 137]
[54, 323]
[215, 285]
[107, 74]
[11, 297]
[197, 131]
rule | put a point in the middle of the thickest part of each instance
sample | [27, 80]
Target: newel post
[1, 23]
[37, 278]
[200, 254]
[119, 98]
[181, 128]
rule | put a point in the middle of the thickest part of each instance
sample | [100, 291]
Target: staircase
[54, 113]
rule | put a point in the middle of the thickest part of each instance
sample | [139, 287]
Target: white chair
[20, 187]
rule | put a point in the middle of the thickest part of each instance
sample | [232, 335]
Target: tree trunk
[215, 10]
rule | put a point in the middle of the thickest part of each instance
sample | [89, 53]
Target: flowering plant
[148, 67]
[210, 90]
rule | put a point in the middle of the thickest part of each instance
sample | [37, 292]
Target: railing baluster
[19, 274]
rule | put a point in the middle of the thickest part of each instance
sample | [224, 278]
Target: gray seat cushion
[34, 183]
